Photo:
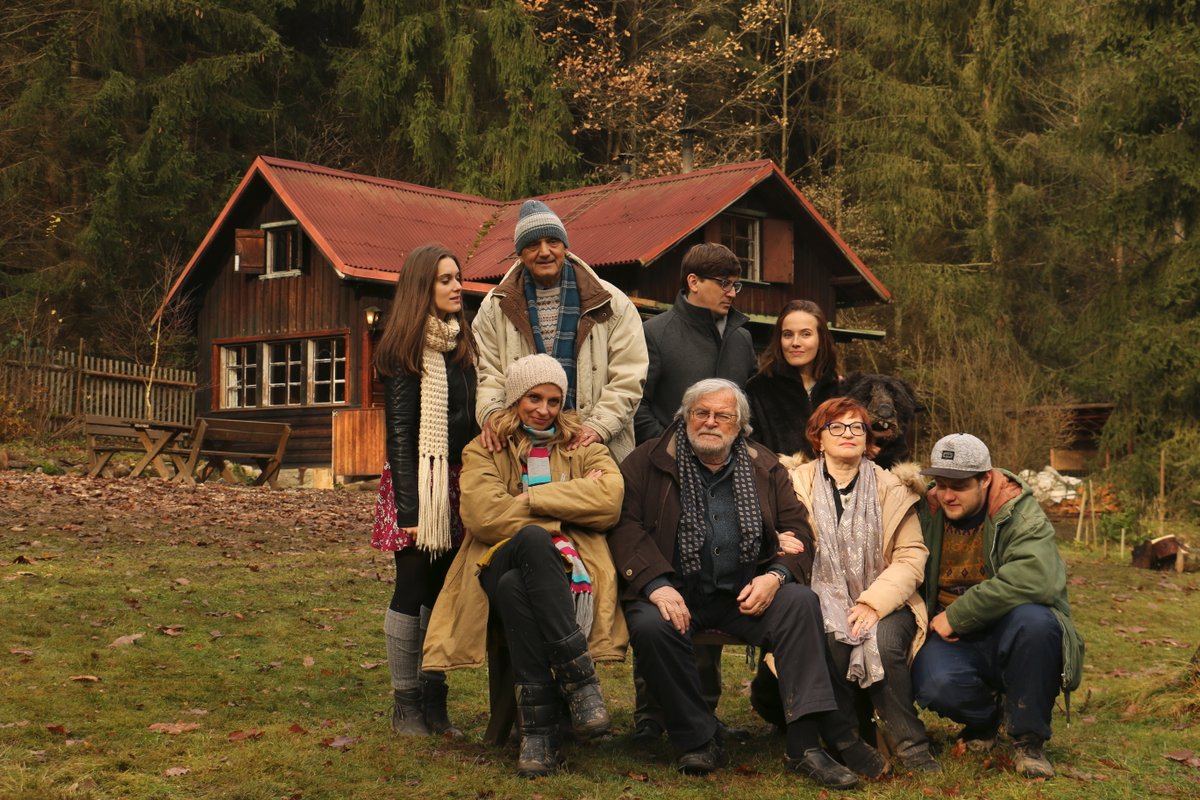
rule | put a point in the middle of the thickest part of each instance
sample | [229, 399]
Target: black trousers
[419, 579]
[526, 584]
[892, 698]
[791, 627]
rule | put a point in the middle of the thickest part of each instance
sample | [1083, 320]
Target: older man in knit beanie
[551, 302]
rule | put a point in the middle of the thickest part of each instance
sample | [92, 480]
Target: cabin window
[743, 235]
[285, 373]
[295, 372]
[239, 370]
[328, 370]
[284, 248]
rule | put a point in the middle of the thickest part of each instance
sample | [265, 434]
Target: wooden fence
[62, 386]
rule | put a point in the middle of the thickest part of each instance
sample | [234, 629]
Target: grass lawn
[219, 642]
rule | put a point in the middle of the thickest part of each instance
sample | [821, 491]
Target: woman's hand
[595, 474]
[861, 618]
[789, 544]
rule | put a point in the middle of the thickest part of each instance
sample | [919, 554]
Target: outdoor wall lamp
[374, 316]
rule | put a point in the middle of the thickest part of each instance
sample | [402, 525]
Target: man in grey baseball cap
[1001, 642]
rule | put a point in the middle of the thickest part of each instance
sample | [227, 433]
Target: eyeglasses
[725, 283]
[703, 415]
[839, 428]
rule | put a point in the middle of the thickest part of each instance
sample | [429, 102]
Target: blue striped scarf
[568, 321]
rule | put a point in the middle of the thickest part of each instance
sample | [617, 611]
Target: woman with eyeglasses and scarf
[870, 559]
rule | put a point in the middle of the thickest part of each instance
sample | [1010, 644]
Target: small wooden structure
[218, 443]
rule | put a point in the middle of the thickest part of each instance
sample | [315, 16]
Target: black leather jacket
[402, 411]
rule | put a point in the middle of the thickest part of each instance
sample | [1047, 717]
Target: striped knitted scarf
[568, 322]
[433, 438]
[693, 523]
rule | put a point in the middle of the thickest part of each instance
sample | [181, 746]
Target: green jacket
[1022, 564]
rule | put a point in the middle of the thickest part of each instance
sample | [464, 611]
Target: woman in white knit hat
[426, 356]
[536, 555]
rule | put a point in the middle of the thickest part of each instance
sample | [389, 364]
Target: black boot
[407, 718]
[576, 676]
[538, 720]
[433, 707]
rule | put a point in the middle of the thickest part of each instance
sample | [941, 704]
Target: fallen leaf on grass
[239, 736]
[173, 728]
[1185, 757]
[199, 712]
[84, 678]
[1079, 775]
[1108, 762]
[73, 742]
[308, 661]
[295, 727]
[85, 785]
[215, 634]
[638, 776]
[745, 769]
[173, 772]
[21, 723]
[370, 664]
[959, 750]
[171, 630]
[341, 742]
[58, 729]
[20, 651]
[121, 641]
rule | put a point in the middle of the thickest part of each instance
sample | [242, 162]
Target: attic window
[743, 235]
[272, 249]
[285, 247]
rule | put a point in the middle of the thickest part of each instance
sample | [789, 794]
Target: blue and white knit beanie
[537, 221]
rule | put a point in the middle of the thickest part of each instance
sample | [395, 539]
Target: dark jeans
[791, 627]
[1019, 656]
[892, 698]
[419, 579]
[527, 585]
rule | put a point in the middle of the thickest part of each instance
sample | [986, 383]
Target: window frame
[287, 378]
[752, 268]
[288, 231]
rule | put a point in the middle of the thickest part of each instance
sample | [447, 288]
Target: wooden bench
[151, 439]
[217, 443]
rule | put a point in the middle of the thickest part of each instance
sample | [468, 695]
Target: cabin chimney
[687, 155]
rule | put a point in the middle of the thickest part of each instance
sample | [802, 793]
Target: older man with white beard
[697, 548]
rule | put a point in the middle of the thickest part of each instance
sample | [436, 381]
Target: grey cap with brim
[959, 455]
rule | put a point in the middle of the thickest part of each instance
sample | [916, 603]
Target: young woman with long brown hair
[426, 356]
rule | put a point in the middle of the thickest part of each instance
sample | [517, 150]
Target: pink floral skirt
[387, 535]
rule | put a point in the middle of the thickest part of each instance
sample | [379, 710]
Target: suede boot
[576, 676]
[537, 705]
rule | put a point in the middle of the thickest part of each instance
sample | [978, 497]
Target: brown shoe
[1029, 757]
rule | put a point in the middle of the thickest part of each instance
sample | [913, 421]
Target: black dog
[892, 405]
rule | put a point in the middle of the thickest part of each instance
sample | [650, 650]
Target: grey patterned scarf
[692, 524]
[849, 558]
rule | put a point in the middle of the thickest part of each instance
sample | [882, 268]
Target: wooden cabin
[290, 283]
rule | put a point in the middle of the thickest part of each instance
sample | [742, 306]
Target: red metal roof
[366, 226]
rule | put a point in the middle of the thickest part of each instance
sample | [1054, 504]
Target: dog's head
[891, 403]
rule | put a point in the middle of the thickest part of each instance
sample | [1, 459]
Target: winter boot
[576, 677]
[538, 720]
[433, 705]
[403, 635]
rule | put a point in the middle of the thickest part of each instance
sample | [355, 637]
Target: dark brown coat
[643, 543]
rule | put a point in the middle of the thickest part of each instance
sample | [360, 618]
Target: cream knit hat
[530, 371]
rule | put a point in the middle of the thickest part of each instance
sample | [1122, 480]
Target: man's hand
[941, 626]
[789, 544]
[670, 604]
[488, 438]
[861, 619]
[758, 594]
[585, 437]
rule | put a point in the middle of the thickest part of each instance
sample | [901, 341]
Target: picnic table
[153, 439]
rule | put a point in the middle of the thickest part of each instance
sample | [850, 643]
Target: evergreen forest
[1024, 175]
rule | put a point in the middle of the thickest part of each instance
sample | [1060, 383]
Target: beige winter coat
[610, 352]
[904, 549]
[582, 508]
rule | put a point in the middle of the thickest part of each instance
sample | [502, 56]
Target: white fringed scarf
[433, 440]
